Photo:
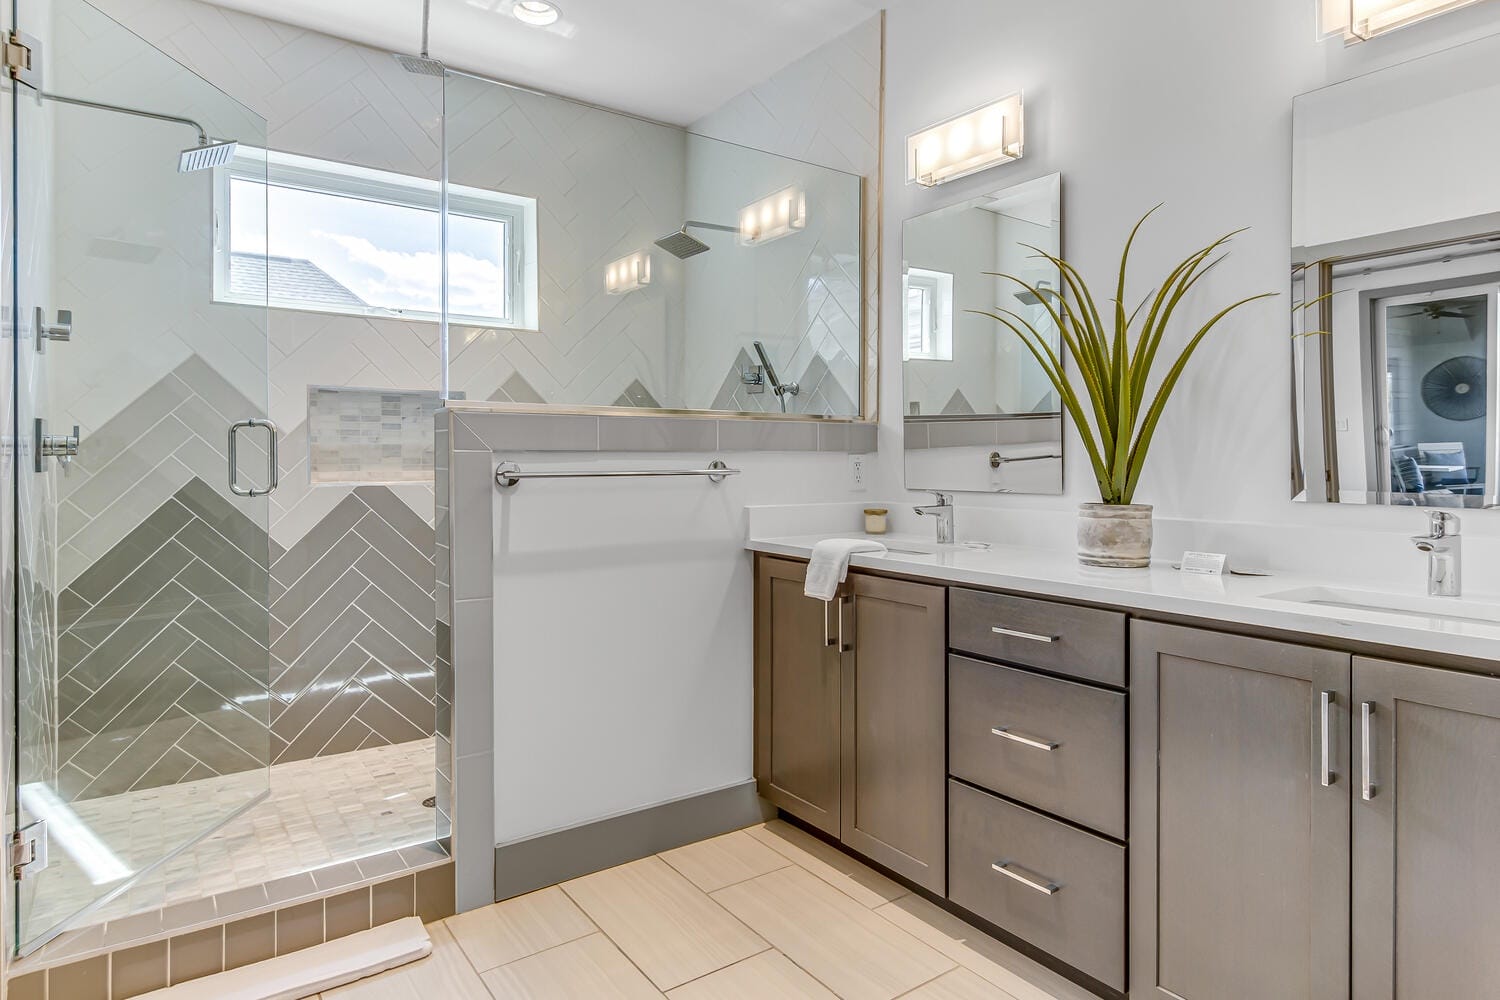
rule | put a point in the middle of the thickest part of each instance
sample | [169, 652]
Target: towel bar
[509, 474]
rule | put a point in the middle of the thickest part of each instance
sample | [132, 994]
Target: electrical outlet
[857, 473]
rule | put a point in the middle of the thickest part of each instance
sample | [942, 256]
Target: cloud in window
[386, 277]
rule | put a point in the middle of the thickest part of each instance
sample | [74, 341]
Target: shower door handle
[274, 478]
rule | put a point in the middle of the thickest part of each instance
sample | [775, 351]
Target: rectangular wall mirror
[1396, 285]
[980, 414]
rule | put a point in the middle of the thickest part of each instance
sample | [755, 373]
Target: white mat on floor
[308, 972]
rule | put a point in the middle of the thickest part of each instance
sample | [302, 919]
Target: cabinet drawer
[1078, 642]
[1054, 744]
[1071, 903]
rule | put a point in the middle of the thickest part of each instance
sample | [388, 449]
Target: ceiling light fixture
[536, 12]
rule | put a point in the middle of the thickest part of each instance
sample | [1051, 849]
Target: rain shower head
[421, 65]
[682, 245]
[424, 64]
[206, 156]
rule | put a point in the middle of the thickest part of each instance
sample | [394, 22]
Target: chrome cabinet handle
[828, 636]
[843, 647]
[1367, 770]
[1040, 883]
[1327, 737]
[1023, 635]
[1005, 733]
[274, 479]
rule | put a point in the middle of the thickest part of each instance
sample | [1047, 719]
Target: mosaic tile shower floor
[320, 812]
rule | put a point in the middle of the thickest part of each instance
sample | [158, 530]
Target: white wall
[1164, 100]
[623, 633]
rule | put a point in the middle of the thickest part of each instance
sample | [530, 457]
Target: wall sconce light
[628, 274]
[782, 214]
[1361, 20]
[966, 144]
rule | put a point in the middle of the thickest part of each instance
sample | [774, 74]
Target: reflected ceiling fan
[1450, 309]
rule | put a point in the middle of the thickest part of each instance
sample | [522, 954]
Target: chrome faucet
[943, 511]
[1445, 554]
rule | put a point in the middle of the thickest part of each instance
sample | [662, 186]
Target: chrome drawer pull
[1023, 635]
[1366, 741]
[1327, 749]
[1029, 741]
[1040, 883]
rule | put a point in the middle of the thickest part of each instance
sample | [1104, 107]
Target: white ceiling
[672, 60]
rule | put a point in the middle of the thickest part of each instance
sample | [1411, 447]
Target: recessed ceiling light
[537, 12]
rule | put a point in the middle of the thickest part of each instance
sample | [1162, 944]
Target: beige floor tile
[833, 866]
[769, 974]
[445, 973]
[841, 943]
[960, 984]
[734, 857]
[668, 927]
[976, 951]
[590, 968]
[504, 932]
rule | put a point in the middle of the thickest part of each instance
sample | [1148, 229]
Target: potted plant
[1108, 391]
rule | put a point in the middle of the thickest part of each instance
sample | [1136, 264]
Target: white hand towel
[830, 565]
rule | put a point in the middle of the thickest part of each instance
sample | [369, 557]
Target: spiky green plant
[1108, 390]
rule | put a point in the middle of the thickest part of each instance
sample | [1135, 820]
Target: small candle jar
[875, 520]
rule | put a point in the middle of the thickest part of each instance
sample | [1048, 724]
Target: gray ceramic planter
[1114, 535]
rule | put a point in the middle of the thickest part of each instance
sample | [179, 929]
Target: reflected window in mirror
[1396, 285]
[980, 414]
[929, 315]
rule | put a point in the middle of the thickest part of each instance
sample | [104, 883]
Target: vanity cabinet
[1426, 905]
[850, 702]
[1241, 818]
[894, 705]
[798, 697]
[1240, 798]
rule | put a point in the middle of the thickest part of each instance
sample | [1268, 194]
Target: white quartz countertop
[1435, 625]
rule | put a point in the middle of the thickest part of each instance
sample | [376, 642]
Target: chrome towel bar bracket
[509, 475]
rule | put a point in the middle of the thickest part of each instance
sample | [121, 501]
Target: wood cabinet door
[1426, 833]
[895, 707]
[797, 696]
[1239, 830]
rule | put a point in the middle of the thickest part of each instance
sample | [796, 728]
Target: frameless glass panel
[674, 270]
[141, 702]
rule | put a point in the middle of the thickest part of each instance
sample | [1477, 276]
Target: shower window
[352, 240]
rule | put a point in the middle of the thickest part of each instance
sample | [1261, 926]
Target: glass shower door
[144, 459]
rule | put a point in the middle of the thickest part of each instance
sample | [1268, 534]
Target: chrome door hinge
[28, 850]
[23, 59]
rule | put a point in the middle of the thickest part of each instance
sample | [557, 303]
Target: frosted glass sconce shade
[771, 218]
[968, 143]
[628, 274]
[1360, 20]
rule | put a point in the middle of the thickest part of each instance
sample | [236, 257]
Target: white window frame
[305, 173]
[937, 340]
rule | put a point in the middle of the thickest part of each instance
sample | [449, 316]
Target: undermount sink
[903, 550]
[1434, 608]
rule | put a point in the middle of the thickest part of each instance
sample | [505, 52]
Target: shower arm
[709, 225]
[99, 106]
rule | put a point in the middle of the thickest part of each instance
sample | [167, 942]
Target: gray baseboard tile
[550, 858]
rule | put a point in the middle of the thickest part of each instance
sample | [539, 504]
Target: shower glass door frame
[137, 604]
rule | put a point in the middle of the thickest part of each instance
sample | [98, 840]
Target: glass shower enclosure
[136, 522]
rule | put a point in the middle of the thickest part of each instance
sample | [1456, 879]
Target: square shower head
[206, 156]
[681, 245]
